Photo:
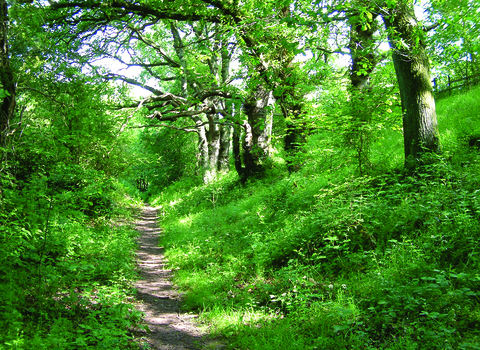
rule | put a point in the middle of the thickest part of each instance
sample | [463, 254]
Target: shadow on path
[170, 328]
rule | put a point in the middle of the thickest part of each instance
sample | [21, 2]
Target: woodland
[315, 166]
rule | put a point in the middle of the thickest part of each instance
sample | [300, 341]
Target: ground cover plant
[66, 268]
[336, 260]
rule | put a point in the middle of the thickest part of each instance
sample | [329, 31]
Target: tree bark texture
[7, 105]
[213, 147]
[258, 130]
[251, 151]
[223, 164]
[413, 74]
[237, 155]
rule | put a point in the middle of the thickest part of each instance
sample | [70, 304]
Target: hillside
[325, 258]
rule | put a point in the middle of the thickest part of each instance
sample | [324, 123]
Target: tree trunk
[291, 101]
[362, 50]
[202, 154]
[223, 164]
[413, 74]
[213, 140]
[237, 155]
[209, 148]
[364, 59]
[258, 131]
[295, 133]
[7, 102]
[249, 158]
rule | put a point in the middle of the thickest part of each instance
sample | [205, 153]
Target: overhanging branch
[113, 76]
[139, 10]
[191, 128]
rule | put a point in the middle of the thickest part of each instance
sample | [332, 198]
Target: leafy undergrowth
[66, 270]
[332, 260]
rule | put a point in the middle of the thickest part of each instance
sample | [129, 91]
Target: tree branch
[113, 76]
[431, 27]
[136, 9]
[192, 128]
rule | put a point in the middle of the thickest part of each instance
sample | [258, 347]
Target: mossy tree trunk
[412, 68]
[257, 132]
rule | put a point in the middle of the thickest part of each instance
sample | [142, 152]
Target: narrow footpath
[169, 327]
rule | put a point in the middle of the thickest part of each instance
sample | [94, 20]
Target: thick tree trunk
[258, 131]
[209, 149]
[202, 153]
[213, 140]
[250, 153]
[7, 102]
[413, 74]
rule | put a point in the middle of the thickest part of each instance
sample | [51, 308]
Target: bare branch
[174, 114]
[132, 82]
[192, 128]
[332, 51]
[186, 129]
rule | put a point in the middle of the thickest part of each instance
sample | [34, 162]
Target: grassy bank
[325, 258]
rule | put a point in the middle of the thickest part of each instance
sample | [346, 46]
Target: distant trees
[454, 38]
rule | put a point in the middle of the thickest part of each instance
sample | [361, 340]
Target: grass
[327, 259]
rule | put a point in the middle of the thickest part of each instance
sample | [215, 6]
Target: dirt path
[170, 328]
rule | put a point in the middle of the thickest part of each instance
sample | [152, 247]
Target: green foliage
[325, 259]
[163, 156]
[348, 252]
[66, 268]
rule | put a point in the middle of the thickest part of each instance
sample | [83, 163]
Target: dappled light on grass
[334, 260]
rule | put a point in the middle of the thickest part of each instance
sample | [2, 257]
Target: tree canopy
[213, 67]
[289, 145]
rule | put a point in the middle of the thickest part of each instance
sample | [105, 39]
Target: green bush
[65, 269]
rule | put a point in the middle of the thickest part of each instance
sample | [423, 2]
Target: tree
[363, 46]
[267, 52]
[7, 80]
[412, 68]
[123, 17]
